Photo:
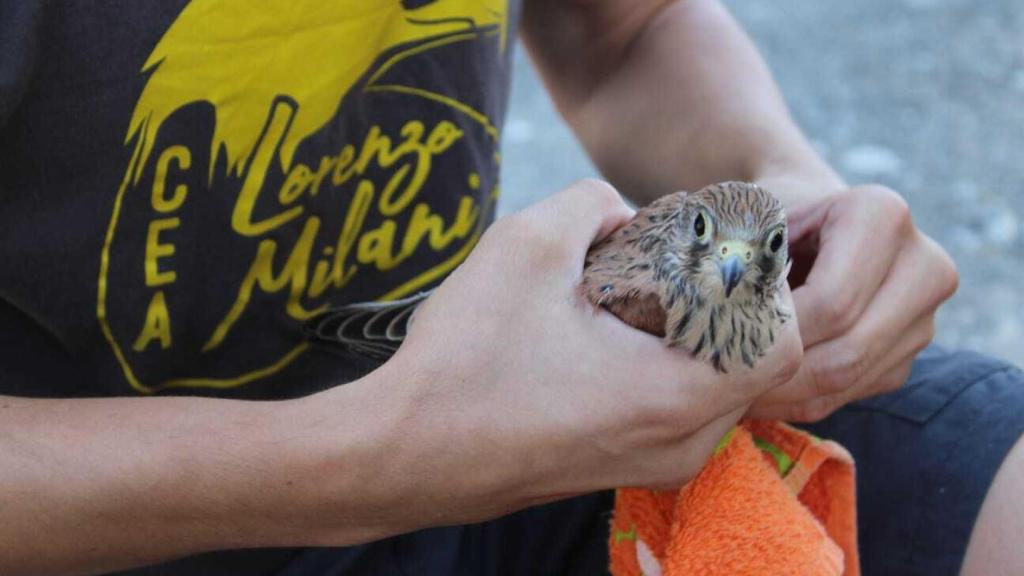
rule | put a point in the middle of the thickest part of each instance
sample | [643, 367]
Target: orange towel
[771, 500]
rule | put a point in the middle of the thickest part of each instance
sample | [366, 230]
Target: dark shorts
[926, 456]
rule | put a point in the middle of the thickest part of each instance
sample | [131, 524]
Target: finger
[898, 359]
[585, 212]
[861, 234]
[884, 376]
[821, 407]
[897, 325]
[831, 367]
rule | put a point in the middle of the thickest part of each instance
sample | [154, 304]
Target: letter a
[157, 326]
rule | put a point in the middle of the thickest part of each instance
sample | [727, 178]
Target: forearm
[673, 98]
[100, 484]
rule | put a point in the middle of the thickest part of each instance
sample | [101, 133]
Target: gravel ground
[925, 96]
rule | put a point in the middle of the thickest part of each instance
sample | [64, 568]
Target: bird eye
[775, 241]
[701, 226]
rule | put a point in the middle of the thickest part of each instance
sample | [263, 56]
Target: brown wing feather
[618, 274]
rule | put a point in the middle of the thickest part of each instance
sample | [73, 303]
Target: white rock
[1002, 227]
[871, 160]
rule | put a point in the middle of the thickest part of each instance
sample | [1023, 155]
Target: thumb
[582, 214]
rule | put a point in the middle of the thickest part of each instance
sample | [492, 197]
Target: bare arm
[99, 484]
[668, 95]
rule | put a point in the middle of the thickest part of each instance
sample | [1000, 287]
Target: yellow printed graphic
[275, 74]
[243, 55]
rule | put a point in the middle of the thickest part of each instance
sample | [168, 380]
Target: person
[184, 184]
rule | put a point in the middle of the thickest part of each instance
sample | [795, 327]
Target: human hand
[871, 284]
[514, 390]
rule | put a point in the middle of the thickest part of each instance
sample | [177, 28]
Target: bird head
[732, 242]
[704, 270]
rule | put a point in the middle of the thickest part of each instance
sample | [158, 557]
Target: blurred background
[925, 96]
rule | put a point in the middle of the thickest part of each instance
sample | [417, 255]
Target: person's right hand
[513, 390]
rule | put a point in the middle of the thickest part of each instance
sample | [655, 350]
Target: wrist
[334, 476]
[798, 180]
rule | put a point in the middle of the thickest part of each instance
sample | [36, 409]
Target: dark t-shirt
[183, 184]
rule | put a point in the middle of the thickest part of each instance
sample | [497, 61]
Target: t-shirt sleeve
[19, 36]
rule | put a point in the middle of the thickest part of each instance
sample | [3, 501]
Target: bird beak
[732, 269]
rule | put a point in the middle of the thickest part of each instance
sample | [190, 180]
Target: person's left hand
[867, 306]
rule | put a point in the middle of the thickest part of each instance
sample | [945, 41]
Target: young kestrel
[703, 270]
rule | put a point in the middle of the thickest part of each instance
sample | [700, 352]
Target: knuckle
[823, 382]
[899, 377]
[924, 337]
[837, 372]
[943, 279]
[897, 207]
[822, 412]
[813, 410]
[890, 200]
[791, 357]
[837, 310]
[599, 196]
[528, 233]
[797, 413]
[892, 205]
[599, 190]
[929, 334]
[891, 384]
[848, 367]
[947, 276]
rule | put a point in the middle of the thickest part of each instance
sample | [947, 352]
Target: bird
[704, 271]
